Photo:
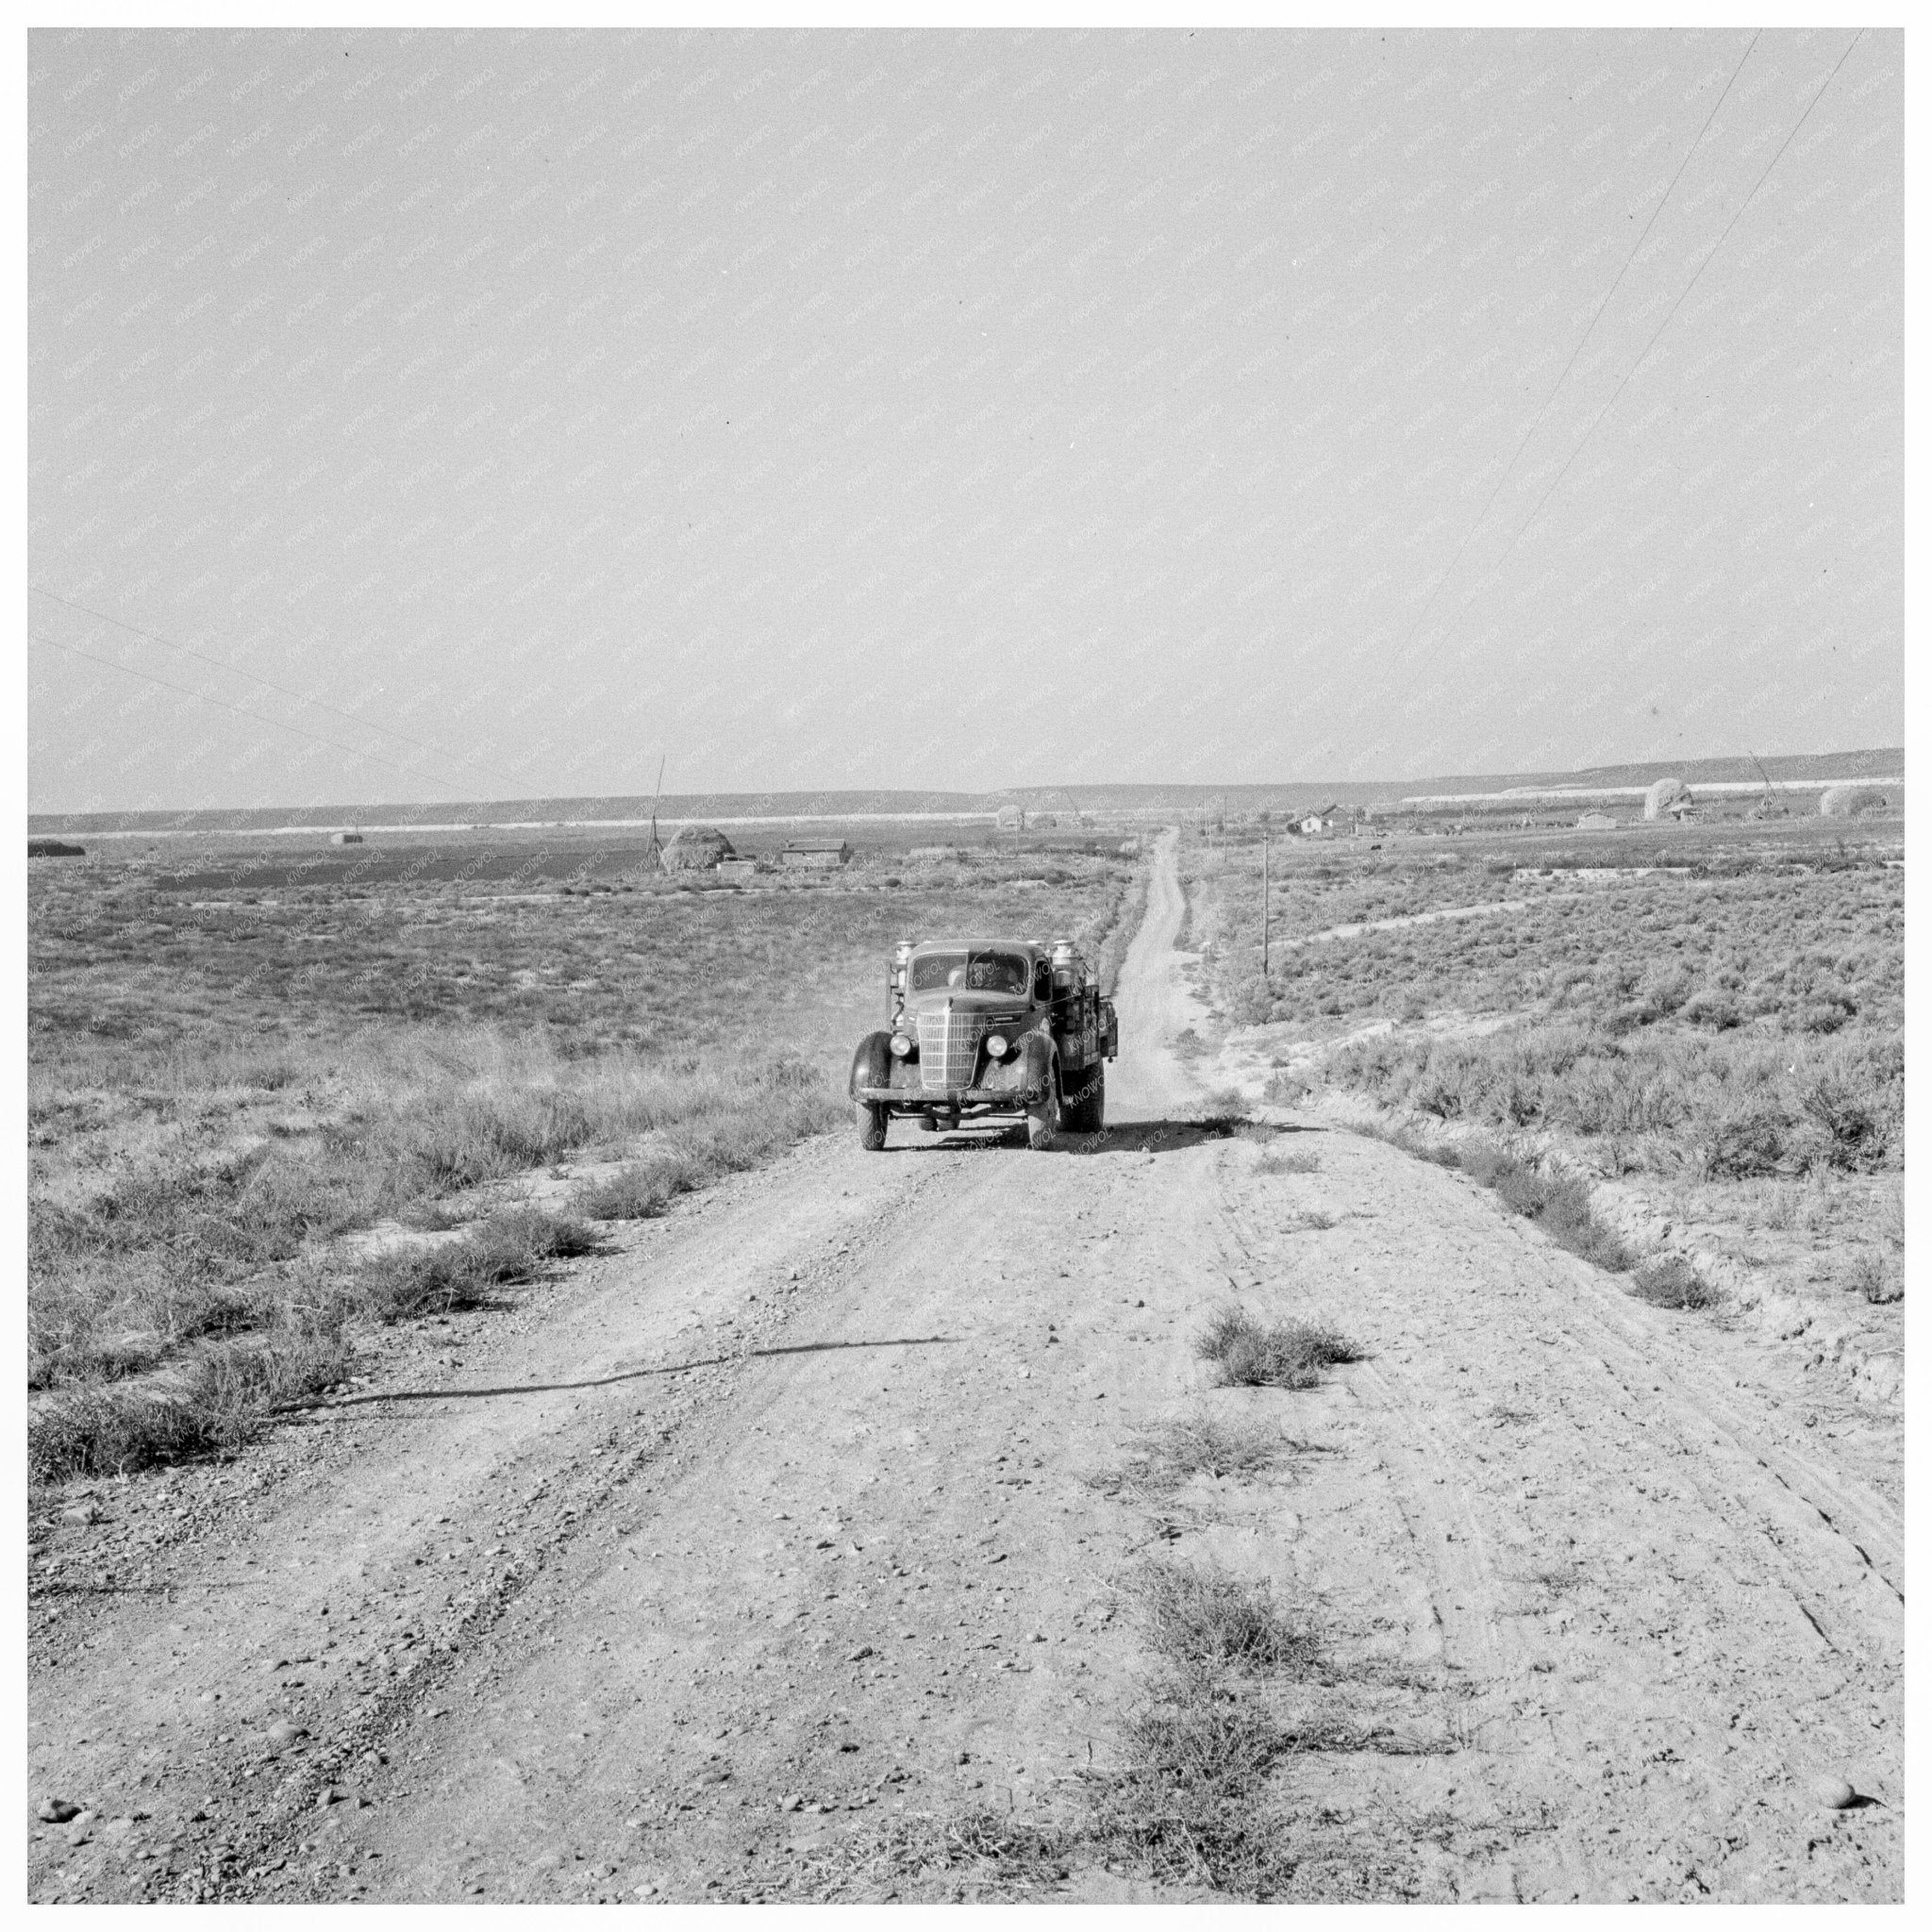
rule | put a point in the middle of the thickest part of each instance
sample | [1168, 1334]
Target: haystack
[697, 848]
[1667, 798]
[1842, 801]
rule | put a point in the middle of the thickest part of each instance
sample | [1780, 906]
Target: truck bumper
[949, 1099]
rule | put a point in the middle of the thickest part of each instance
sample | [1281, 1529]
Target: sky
[435, 415]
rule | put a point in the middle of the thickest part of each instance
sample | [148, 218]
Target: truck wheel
[1088, 1114]
[871, 1066]
[1043, 1116]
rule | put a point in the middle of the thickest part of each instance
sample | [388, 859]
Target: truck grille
[949, 1048]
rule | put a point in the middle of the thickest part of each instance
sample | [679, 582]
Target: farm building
[1596, 822]
[697, 848]
[54, 848]
[816, 855]
[739, 870]
[1669, 798]
[345, 837]
[1843, 801]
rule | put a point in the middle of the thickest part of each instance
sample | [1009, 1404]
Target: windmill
[1766, 806]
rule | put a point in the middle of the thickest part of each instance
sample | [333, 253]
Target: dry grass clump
[1880, 1279]
[174, 1251]
[741, 1135]
[1205, 1739]
[263, 1344]
[509, 1247]
[977, 1854]
[1670, 1281]
[1164, 1458]
[1190, 1803]
[639, 1192]
[1288, 1163]
[1207, 1620]
[1191, 1806]
[214, 1400]
[458, 1113]
[1281, 1355]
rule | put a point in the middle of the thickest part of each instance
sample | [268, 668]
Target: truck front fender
[871, 1065]
[1040, 1063]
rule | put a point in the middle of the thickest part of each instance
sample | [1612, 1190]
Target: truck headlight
[996, 1046]
[901, 1046]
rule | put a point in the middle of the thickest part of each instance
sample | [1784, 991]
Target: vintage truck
[982, 1029]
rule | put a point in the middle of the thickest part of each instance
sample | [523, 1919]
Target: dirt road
[771, 1534]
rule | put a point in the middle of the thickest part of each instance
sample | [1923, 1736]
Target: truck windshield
[973, 972]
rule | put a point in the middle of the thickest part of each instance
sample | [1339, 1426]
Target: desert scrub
[1734, 1107]
[1276, 1355]
[121, 1277]
[1799, 949]
[1670, 1281]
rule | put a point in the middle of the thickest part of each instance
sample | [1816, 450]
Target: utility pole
[1267, 838]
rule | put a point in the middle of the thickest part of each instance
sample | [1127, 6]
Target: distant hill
[684, 807]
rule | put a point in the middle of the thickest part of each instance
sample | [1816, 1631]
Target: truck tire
[1044, 1117]
[1088, 1114]
[872, 1126]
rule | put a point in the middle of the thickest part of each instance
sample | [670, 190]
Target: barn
[1596, 822]
[816, 855]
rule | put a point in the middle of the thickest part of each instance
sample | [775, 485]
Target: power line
[1665, 324]
[236, 670]
[239, 710]
[1509, 468]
